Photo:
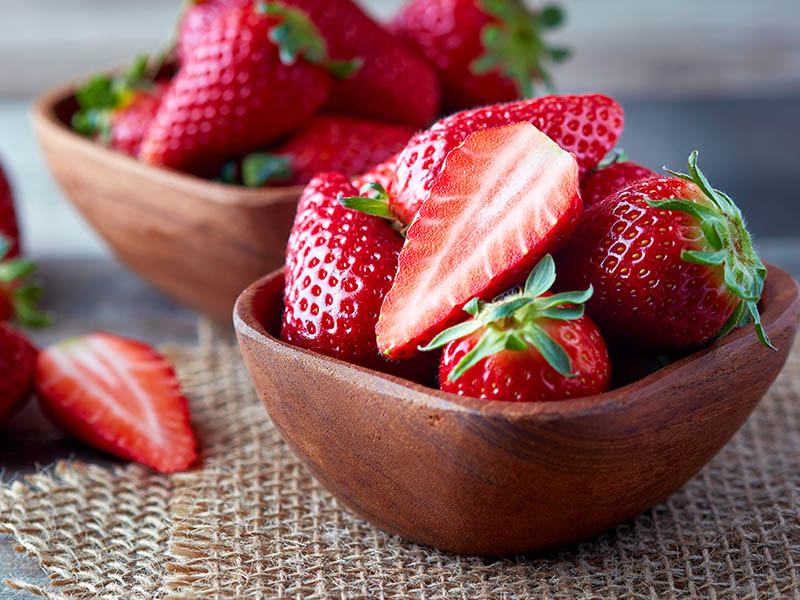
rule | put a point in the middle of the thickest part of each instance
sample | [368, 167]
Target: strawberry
[671, 261]
[120, 396]
[326, 143]
[117, 111]
[588, 126]
[255, 76]
[503, 199]
[17, 360]
[196, 20]
[603, 183]
[339, 265]
[526, 346]
[382, 174]
[18, 297]
[393, 83]
[9, 228]
[486, 51]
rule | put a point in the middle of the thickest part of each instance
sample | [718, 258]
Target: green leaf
[703, 258]
[574, 298]
[504, 309]
[25, 311]
[709, 228]
[491, 342]
[542, 277]
[760, 332]
[377, 207]
[377, 188]
[260, 169]
[558, 54]
[565, 313]
[683, 205]
[344, 69]
[473, 307]
[14, 269]
[456, 332]
[552, 352]
[551, 16]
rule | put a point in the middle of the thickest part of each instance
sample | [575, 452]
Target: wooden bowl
[196, 240]
[490, 478]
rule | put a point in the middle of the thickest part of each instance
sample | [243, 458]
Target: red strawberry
[587, 126]
[117, 111]
[525, 347]
[326, 143]
[120, 396]
[504, 198]
[239, 90]
[486, 51]
[9, 229]
[671, 262]
[382, 174]
[130, 122]
[606, 182]
[17, 360]
[197, 19]
[393, 83]
[339, 265]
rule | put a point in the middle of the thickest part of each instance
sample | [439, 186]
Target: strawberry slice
[120, 396]
[503, 199]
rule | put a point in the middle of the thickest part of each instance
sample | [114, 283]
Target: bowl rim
[46, 122]
[737, 342]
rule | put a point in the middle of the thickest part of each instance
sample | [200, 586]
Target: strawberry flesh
[120, 396]
[505, 198]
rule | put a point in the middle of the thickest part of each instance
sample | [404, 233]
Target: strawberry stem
[374, 201]
[724, 229]
[512, 322]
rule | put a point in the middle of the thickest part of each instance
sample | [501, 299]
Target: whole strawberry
[671, 261]
[382, 174]
[326, 143]
[525, 347]
[117, 111]
[17, 360]
[603, 183]
[486, 51]
[339, 264]
[256, 75]
[588, 126]
[9, 228]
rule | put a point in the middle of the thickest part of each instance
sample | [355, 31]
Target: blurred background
[721, 77]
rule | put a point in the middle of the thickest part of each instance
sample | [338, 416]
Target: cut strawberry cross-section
[120, 396]
[503, 199]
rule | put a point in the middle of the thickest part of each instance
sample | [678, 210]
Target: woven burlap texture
[250, 522]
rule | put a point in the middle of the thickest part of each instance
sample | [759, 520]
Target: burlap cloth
[250, 522]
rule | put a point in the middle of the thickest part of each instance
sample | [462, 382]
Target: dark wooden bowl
[490, 478]
[198, 241]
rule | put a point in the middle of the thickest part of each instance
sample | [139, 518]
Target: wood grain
[198, 241]
[487, 478]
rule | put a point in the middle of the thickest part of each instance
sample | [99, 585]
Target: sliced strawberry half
[503, 200]
[120, 396]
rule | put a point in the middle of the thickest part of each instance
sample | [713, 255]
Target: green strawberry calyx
[297, 36]
[103, 94]
[374, 200]
[513, 322]
[513, 44]
[731, 247]
[22, 295]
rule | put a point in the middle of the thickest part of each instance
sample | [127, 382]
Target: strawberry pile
[499, 238]
[272, 92]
